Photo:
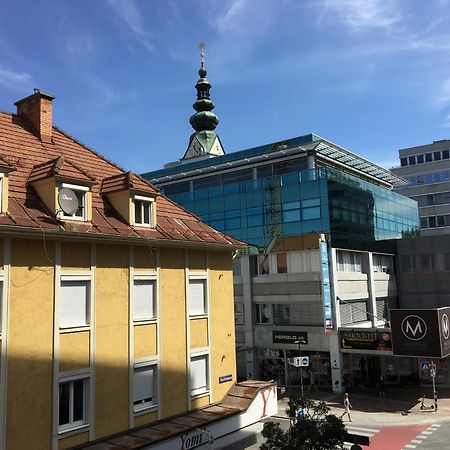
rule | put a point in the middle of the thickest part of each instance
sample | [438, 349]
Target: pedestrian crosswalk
[419, 439]
[362, 431]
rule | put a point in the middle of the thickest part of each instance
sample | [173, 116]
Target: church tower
[205, 140]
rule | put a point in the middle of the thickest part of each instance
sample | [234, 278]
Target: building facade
[116, 304]
[427, 171]
[317, 219]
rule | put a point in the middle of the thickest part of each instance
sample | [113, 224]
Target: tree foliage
[313, 428]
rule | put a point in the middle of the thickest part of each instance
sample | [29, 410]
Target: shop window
[199, 378]
[144, 378]
[239, 318]
[264, 313]
[144, 299]
[197, 297]
[74, 304]
[73, 401]
[281, 263]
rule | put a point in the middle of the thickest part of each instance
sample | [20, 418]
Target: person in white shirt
[347, 406]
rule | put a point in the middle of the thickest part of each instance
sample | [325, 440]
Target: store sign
[326, 290]
[421, 332]
[357, 339]
[289, 337]
[225, 378]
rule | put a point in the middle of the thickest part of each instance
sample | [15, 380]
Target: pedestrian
[312, 380]
[347, 406]
[380, 387]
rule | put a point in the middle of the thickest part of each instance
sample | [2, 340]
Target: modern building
[427, 171]
[116, 304]
[318, 220]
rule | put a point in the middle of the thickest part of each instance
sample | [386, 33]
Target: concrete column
[336, 362]
[372, 306]
[250, 351]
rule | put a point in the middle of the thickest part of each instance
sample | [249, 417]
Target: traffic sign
[425, 366]
[304, 361]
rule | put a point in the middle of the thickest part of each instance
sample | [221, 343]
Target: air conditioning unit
[385, 269]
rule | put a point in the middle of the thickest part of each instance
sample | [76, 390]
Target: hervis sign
[421, 332]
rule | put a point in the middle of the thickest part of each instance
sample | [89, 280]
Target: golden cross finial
[202, 52]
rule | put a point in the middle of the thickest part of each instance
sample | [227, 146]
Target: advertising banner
[326, 291]
[289, 337]
[421, 332]
[358, 339]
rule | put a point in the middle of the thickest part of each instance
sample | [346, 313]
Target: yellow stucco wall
[197, 259]
[173, 332]
[111, 340]
[2, 243]
[145, 419]
[223, 357]
[75, 256]
[74, 351]
[30, 345]
[200, 402]
[145, 343]
[121, 203]
[198, 333]
[47, 193]
[72, 441]
[144, 257]
[5, 194]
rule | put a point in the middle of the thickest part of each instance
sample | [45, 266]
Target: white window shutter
[143, 299]
[199, 374]
[143, 383]
[74, 304]
[197, 297]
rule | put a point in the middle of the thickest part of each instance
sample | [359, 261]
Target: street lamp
[300, 342]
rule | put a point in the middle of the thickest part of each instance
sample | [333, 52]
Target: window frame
[76, 278]
[84, 422]
[202, 390]
[84, 203]
[149, 201]
[152, 404]
[259, 307]
[154, 281]
[239, 313]
[204, 279]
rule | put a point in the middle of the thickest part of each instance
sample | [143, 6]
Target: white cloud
[132, 20]
[16, 80]
[364, 14]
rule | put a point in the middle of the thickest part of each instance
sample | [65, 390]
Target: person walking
[347, 406]
[312, 380]
[380, 386]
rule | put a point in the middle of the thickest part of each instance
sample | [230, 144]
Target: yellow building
[116, 304]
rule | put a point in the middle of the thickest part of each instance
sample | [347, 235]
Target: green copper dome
[203, 119]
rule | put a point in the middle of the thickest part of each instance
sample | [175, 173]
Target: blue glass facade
[267, 211]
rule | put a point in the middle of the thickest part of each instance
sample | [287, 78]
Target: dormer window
[2, 176]
[143, 211]
[81, 194]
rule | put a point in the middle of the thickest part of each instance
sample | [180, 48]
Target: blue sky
[370, 75]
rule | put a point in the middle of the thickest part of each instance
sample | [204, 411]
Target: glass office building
[267, 203]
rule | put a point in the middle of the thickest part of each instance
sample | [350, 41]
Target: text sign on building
[421, 332]
[326, 291]
[355, 339]
[289, 337]
[225, 378]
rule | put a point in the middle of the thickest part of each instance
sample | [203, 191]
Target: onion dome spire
[203, 119]
[205, 140]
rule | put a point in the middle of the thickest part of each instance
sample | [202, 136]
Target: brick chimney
[37, 108]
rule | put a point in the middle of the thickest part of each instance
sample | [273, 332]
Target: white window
[74, 304]
[81, 193]
[143, 211]
[264, 313]
[144, 386]
[349, 261]
[73, 401]
[197, 297]
[144, 299]
[239, 314]
[199, 374]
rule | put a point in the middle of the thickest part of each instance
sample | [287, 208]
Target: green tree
[314, 428]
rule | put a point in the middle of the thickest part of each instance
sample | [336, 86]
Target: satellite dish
[68, 201]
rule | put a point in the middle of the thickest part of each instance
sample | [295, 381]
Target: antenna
[68, 201]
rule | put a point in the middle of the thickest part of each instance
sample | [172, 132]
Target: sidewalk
[401, 406]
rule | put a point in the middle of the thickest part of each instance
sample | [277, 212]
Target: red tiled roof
[67, 158]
